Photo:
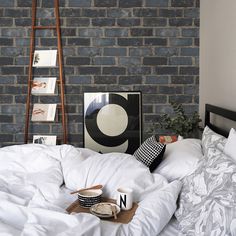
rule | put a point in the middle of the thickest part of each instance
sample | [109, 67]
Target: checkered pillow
[150, 153]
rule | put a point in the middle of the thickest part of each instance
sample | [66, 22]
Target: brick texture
[146, 45]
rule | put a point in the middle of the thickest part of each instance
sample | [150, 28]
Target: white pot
[180, 137]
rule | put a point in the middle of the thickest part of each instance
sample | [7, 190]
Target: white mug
[124, 198]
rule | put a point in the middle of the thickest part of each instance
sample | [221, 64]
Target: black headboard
[231, 115]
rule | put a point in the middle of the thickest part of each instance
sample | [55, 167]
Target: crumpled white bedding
[31, 177]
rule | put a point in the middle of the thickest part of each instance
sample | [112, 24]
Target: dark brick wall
[146, 45]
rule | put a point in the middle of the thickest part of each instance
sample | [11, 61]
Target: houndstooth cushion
[150, 153]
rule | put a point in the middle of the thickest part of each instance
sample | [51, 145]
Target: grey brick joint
[108, 45]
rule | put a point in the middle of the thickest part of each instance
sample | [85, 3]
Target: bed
[191, 192]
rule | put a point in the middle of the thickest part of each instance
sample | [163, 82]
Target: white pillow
[180, 159]
[230, 146]
[210, 140]
[154, 211]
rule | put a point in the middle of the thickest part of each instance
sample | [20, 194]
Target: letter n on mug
[125, 198]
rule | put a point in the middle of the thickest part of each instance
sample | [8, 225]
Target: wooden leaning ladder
[60, 81]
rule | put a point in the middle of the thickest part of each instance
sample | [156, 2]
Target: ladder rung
[45, 27]
[57, 81]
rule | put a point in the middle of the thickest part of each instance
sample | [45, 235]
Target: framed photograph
[43, 112]
[45, 58]
[112, 121]
[44, 86]
[45, 139]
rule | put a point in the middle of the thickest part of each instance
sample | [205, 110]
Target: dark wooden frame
[228, 114]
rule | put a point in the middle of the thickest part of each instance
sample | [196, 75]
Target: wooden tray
[123, 217]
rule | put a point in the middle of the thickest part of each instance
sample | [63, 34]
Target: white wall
[218, 53]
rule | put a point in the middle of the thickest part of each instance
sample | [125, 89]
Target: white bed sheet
[171, 229]
[32, 201]
[65, 199]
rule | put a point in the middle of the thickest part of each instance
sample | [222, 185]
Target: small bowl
[87, 198]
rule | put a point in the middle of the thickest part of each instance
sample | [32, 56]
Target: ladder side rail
[60, 63]
[30, 72]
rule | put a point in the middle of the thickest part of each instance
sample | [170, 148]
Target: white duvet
[35, 181]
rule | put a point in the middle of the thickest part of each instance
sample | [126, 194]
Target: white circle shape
[112, 120]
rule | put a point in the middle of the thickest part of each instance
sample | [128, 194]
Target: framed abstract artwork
[112, 121]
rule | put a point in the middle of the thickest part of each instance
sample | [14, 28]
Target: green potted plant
[180, 123]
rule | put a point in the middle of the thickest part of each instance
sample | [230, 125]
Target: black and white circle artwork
[112, 121]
